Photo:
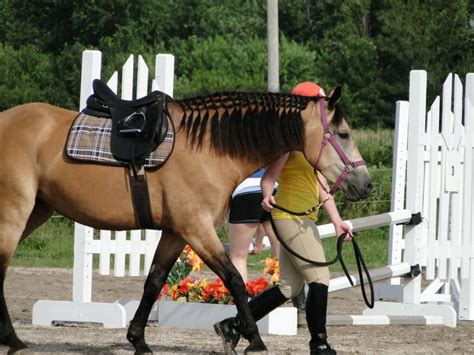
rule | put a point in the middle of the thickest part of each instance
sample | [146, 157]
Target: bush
[376, 147]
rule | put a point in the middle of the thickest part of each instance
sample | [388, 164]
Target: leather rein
[349, 167]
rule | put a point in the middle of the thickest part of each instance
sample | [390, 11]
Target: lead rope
[340, 240]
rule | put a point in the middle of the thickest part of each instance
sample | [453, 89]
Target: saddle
[138, 127]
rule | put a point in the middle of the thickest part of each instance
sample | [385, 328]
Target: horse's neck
[240, 167]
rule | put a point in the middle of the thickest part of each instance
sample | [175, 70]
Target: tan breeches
[302, 236]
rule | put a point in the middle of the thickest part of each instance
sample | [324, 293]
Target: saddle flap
[135, 131]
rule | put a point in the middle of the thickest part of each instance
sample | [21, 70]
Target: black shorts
[247, 208]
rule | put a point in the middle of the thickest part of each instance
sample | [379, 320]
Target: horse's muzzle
[356, 192]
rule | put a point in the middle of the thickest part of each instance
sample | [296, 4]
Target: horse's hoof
[256, 346]
[142, 349]
[18, 349]
[14, 343]
[140, 346]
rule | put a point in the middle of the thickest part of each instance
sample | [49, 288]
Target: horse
[220, 140]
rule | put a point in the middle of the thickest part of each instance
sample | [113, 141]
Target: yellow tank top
[298, 189]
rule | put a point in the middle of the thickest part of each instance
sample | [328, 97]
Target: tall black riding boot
[316, 309]
[229, 329]
[299, 302]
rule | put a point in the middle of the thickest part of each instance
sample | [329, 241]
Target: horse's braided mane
[252, 125]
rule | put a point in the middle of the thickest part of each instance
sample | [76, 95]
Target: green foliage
[375, 146]
[51, 245]
[210, 65]
[352, 62]
[181, 269]
[27, 75]
[430, 35]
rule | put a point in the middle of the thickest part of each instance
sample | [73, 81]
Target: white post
[142, 78]
[82, 279]
[400, 154]
[90, 70]
[127, 79]
[82, 269]
[415, 172]
[466, 302]
[273, 50]
[164, 73]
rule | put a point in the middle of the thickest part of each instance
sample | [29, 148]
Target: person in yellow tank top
[298, 190]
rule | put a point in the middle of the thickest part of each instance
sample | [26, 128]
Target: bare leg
[169, 248]
[258, 247]
[272, 237]
[240, 237]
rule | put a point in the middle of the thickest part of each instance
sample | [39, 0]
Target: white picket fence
[432, 171]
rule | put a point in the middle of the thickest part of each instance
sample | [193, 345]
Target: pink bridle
[328, 137]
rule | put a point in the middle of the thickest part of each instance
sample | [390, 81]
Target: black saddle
[138, 126]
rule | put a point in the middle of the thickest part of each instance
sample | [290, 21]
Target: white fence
[433, 167]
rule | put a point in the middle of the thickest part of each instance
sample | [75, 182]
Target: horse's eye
[344, 135]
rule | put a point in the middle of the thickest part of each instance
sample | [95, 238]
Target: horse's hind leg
[16, 209]
[169, 248]
[207, 245]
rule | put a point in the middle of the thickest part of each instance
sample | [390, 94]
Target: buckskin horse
[220, 140]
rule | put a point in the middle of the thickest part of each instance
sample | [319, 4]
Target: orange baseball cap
[307, 88]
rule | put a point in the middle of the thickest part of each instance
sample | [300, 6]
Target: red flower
[185, 284]
[216, 292]
[254, 287]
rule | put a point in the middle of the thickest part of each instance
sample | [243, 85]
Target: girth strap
[141, 200]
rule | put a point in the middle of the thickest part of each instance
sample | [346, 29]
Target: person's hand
[342, 228]
[268, 202]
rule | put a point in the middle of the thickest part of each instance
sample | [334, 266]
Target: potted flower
[197, 303]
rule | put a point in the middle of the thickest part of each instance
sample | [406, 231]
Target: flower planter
[282, 321]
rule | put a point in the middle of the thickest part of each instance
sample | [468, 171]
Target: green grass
[51, 245]
[372, 243]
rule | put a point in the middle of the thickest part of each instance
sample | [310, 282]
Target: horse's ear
[335, 97]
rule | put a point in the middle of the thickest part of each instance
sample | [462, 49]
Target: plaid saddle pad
[89, 140]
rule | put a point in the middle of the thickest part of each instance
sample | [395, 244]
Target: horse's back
[33, 120]
[35, 113]
[29, 129]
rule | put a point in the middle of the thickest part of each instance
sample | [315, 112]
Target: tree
[26, 76]
[430, 35]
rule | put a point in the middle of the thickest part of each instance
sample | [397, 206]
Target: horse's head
[336, 154]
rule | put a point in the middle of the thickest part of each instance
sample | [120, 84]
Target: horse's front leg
[167, 252]
[205, 242]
